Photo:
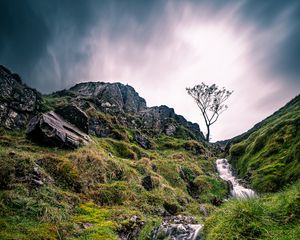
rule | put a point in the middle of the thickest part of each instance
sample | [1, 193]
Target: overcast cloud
[161, 47]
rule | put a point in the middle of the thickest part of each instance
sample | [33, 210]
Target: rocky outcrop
[130, 109]
[163, 119]
[111, 97]
[18, 103]
[51, 130]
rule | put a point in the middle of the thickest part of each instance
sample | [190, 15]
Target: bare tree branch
[210, 100]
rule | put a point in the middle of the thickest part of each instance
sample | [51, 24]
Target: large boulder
[52, 130]
[75, 116]
[18, 103]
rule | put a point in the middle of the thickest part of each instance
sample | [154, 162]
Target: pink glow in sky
[160, 47]
[190, 49]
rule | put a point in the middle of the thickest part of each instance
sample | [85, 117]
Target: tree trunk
[208, 133]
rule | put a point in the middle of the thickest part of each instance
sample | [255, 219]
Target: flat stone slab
[52, 130]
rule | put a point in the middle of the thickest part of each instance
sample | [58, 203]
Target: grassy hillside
[268, 156]
[272, 216]
[94, 191]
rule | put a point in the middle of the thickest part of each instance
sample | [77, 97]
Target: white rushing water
[237, 190]
[198, 228]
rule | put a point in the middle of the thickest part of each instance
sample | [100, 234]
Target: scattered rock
[154, 167]
[12, 153]
[194, 147]
[171, 208]
[142, 140]
[131, 229]
[203, 210]
[37, 182]
[216, 201]
[178, 228]
[51, 130]
[170, 130]
[147, 183]
[86, 225]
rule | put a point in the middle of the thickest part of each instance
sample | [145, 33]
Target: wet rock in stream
[178, 228]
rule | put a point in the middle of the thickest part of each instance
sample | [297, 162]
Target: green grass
[99, 186]
[96, 222]
[273, 216]
[92, 192]
[269, 157]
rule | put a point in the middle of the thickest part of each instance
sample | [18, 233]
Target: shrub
[194, 146]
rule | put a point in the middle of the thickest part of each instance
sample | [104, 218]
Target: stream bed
[185, 227]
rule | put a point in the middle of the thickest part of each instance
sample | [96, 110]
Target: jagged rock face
[51, 130]
[111, 97]
[163, 119]
[131, 110]
[18, 103]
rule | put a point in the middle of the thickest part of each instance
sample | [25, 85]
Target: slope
[268, 156]
[140, 165]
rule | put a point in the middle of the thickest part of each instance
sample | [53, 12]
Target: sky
[160, 47]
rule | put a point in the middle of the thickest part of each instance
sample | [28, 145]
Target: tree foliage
[210, 100]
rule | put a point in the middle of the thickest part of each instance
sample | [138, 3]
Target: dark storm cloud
[284, 58]
[45, 41]
[29, 28]
[159, 47]
[24, 35]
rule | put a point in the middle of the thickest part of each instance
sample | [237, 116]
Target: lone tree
[210, 100]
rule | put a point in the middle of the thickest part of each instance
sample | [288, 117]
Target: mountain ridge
[114, 99]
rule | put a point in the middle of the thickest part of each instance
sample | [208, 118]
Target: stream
[185, 227]
[237, 190]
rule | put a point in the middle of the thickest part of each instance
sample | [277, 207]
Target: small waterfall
[185, 227]
[237, 190]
